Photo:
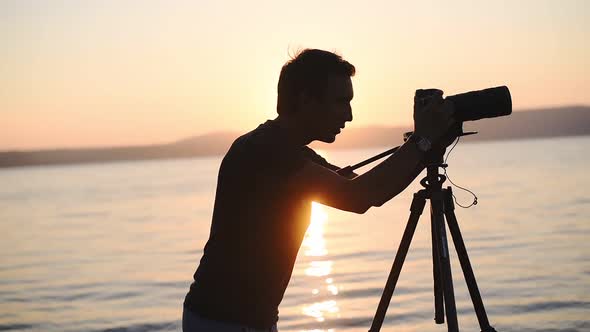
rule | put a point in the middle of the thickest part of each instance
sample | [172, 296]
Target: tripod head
[433, 179]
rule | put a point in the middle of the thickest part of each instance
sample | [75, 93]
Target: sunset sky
[110, 73]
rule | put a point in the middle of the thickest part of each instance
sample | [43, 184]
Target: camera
[472, 105]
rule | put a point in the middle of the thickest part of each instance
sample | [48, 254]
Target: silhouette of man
[267, 181]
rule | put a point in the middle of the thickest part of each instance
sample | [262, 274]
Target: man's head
[315, 89]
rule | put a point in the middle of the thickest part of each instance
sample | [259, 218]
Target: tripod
[441, 202]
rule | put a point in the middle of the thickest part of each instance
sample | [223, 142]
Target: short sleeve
[313, 156]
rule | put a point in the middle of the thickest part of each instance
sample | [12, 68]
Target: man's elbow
[379, 201]
[355, 204]
[346, 201]
[361, 203]
[361, 209]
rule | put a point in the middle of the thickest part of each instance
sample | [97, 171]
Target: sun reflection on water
[319, 269]
[319, 309]
[314, 242]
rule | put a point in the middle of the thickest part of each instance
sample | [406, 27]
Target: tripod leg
[437, 206]
[416, 210]
[480, 311]
[439, 309]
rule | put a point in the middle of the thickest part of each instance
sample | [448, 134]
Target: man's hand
[433, 117]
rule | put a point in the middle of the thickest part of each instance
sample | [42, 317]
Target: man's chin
[327, 138]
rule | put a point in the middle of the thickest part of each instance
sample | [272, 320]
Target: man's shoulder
[266, 148]
[262, 138]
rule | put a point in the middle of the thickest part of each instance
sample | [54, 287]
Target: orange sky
[107, 73]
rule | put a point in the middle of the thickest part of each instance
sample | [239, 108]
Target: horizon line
[226, 132]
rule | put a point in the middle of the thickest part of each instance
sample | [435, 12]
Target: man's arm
[372, 188]
[384, 181]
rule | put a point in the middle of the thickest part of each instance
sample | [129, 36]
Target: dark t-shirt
[258, 226]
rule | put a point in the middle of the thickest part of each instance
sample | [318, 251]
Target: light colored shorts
[192, 322]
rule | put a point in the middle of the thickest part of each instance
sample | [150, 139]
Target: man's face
[328, 115]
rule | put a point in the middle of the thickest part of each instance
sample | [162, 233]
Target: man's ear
[306, 100]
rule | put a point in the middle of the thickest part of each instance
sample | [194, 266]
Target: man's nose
[348, 115]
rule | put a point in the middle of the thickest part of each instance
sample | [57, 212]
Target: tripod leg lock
[449, 204]
[418, 202]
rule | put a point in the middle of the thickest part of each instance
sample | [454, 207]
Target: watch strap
[422, 143]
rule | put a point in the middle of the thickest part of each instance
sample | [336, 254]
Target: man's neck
[293, 130]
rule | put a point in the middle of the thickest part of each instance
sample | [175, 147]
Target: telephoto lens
[487, 103]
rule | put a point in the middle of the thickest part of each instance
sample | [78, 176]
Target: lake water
[114, 246]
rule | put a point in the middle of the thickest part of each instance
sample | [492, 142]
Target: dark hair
[308, 72]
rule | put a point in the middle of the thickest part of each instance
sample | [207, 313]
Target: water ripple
[153, 327]
[545, 306]
[16, 327]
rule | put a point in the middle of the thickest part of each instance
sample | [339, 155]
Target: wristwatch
[422, 143]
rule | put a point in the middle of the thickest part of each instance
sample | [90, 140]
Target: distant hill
[548, 122]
